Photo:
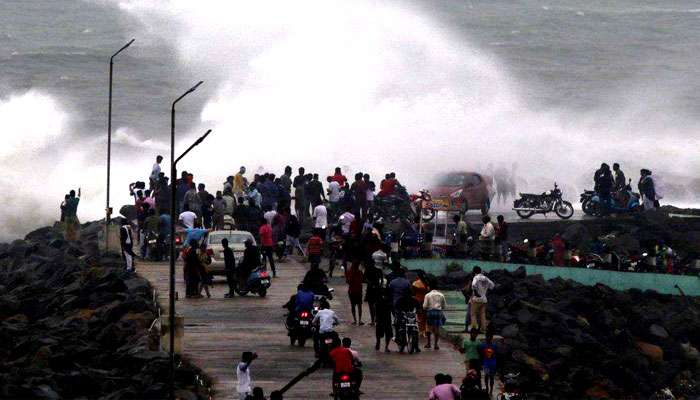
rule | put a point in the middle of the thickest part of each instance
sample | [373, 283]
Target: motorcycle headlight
[456, 194]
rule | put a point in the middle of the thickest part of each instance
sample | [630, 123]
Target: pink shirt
[446, 391]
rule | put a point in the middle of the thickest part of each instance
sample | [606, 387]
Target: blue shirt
[165, 224]
[195, 234]
[305, 301]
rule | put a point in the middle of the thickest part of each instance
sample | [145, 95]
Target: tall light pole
[173, 218]
[108, 209]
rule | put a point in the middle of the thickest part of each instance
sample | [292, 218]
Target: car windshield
[233, 238]
[452, 180]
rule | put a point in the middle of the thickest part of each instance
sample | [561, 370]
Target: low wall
[662, 283]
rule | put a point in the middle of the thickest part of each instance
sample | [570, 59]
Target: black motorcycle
[300, 327]
[587, 202]
[530, 204]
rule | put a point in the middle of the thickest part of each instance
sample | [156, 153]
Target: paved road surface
[217, 330]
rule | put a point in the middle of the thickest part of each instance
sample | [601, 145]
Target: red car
[463, 191]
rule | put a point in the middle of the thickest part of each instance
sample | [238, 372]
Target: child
[243, 374]
[487, 350]
[470, 348]
[205, 261]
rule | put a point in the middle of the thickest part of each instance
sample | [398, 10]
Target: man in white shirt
[326, 320]
[320, 217]
[333, 191]
[346, 220]
[434, 304]
[487, 238]
[155, 172]
[187, 218]
[480, 286]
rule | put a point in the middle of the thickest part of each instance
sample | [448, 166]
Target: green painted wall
[661, 283]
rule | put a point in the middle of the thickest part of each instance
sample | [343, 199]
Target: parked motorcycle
[401, 206]
[586, 204]
[624, 201]
[423, 203]
[551, 201]
[258, 282]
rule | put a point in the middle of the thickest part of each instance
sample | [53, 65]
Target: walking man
[434, 304]
[480, 286]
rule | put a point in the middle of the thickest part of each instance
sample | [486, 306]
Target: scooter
[258, 282]
[323, 345]
[345, 387]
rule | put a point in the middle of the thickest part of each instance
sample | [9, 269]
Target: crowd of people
[289, 214]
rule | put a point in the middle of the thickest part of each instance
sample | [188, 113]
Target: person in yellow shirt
[420, 288]
[240, 183]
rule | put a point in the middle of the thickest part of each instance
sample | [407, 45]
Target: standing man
[501, 238]
[70, 215]
[320, 216]
[646, 189]
[619, 176]
[126, 238]
[155, 172]
[205, 200]
[316, 190]
[487, 238]
[240, 183]
[229, 268]
[268, 244]
[333, 195]
[604, 184]
[434, 304]
[285, 182]
[339, 177]
[480, 286]
[219, 210]
[192, 200]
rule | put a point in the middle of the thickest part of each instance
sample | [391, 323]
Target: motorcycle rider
[315, 280]
[604, 184]
[251, 261]
[343, 362]
[325, 321]
[356, 363]
[304, 299]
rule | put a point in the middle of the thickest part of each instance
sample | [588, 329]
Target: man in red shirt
[314, 247]
[267, 244]
[342, 362]
[388, 185]
[339, 177]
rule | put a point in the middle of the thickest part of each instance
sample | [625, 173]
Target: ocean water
[551, 88]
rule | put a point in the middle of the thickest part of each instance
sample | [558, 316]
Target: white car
[236, 241]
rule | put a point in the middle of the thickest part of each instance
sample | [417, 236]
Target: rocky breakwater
[75, 325]
[571, 341]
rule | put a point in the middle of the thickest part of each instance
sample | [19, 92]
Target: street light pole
[108, 210]
[173, 216]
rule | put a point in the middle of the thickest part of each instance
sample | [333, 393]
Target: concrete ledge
[661, 283]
